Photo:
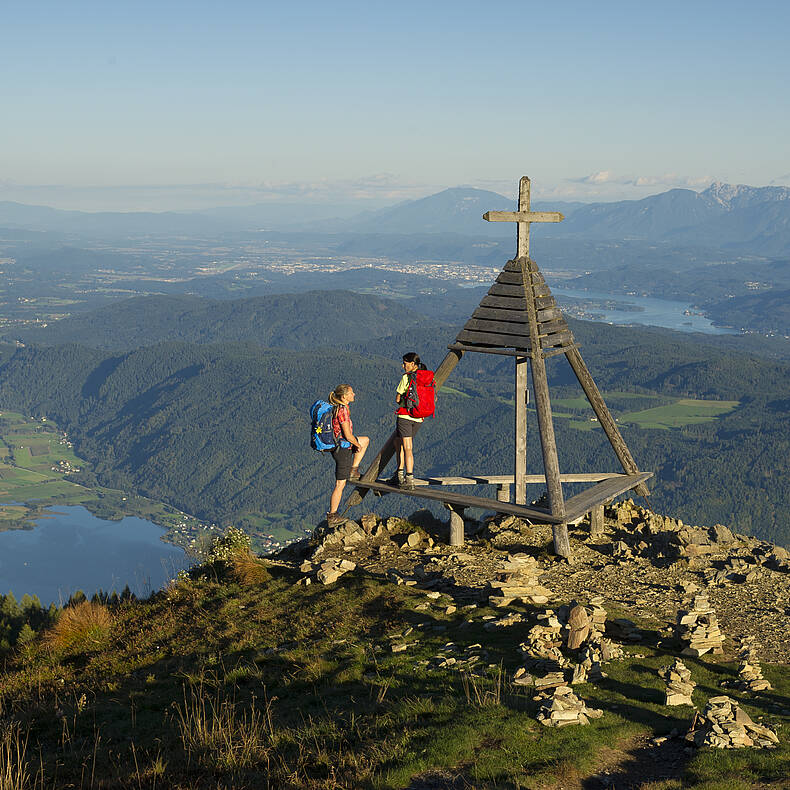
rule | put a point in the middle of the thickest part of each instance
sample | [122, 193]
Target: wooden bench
[609, 485]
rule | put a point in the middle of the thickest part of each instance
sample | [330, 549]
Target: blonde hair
[338, 393]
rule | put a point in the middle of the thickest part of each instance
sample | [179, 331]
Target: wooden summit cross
[519, 318]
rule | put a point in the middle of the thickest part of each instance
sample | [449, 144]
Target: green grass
[686, 411]
[287, 686]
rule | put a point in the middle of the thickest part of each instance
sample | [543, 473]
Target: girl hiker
[348, 451]
[410, 417]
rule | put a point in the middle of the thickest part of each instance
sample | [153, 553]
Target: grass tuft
[220, 735]
[248, 569]
[84, 627]
[13, 767]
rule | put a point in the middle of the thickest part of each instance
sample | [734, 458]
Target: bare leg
[399, 451]
[364, 441]
[337, 494]
[408, 454]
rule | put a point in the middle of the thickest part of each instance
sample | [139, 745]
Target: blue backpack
[322, 437]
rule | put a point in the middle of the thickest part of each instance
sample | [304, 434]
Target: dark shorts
[406, 427]
[343, 457]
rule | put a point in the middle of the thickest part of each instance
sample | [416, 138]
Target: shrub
[81, 627]
[249, 569]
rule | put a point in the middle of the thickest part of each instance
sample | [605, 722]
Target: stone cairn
[680, 686]
[561, 707]
[699, 629]
[724, 725]
[595, 653]
[517, 580]
[541, 649]
[750, 675]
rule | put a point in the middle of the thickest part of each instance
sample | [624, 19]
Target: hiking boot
[407, 484]
[334, 519]
[396, 480]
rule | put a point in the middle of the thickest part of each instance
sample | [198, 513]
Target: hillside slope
[401, 674]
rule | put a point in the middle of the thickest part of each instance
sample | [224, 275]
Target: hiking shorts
[343, 457]
[407, 428]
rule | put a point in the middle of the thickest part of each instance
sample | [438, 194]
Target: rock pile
[332, 569]
[517, 580]
[750, 675]
[680, 686]
[699, 628]
[585, 623]
[735, 570]
[563, 707]
[724, 725]
[595, 653]
[543, 642]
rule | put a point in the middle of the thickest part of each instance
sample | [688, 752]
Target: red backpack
[420, 398]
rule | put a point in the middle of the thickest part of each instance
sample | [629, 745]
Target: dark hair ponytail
[412, 356]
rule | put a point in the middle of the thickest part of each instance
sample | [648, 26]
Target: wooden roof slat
[494, 339]
[513, 266]
[498, 289]
[506, 327]
[501, 314]
[542, 302]
[506, 302]
[504, 352]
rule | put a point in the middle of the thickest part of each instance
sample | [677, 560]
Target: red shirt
[341, 415]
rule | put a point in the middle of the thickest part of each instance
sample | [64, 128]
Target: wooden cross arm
[523, 216]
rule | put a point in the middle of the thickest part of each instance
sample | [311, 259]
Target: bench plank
[464, 500]
[580, 504]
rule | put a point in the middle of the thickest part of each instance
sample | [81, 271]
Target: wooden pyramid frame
[519, 318]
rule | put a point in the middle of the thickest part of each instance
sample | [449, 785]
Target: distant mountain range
[743, 218]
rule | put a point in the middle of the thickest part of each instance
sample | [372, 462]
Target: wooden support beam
[596, 521]
[603, 492]
[503, 493]
[523, 216]
[520, 460]
[456, 524]
[604, 417]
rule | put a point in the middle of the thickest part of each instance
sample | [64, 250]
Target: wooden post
[548, 443]
[520, 462]
[456, 524]
[604, 417]
[388, 450]
[596, 521]
[562, 543]
[503, 493]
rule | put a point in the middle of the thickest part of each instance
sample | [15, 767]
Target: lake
[652, 312]
[70, 549]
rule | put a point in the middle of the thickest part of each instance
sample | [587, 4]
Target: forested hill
[222, 430]
[306, 320]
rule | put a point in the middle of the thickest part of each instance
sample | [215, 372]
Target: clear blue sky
[171, 104]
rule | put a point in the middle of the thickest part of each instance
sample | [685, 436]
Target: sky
[179, 105]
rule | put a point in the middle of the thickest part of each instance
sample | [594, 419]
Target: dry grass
[81, 627]
[13, 767]
[248, 569]
[220, 735]
[483, 691]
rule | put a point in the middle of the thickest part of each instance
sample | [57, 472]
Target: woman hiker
[349, 449]
[406, 426]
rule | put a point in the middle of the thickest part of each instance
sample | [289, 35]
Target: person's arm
[400, 392]
[345, 429]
